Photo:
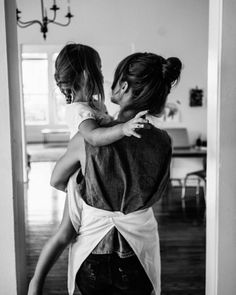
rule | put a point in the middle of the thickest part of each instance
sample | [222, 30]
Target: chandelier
[45, 19]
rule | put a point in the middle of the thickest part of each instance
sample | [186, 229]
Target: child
[78, 75]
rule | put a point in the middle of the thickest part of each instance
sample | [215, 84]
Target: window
[35, 88]
[43, 102]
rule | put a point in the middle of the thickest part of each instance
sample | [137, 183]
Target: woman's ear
[124, 87]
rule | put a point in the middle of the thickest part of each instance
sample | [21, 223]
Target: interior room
[157, 27]
[193, 242]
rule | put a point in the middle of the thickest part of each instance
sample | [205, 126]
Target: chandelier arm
[29, 23]
[23, 26]
[62, 25]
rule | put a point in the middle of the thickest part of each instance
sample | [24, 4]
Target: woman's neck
[125, 115]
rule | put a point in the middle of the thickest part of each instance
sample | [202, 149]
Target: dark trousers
[109, 274]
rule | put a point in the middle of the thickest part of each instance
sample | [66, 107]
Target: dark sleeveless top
[128, 175]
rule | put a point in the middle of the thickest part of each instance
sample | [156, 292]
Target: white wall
[8, 278]
[221, 201]
[12, 235]
[118, 27]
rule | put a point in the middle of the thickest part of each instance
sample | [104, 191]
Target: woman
[117, 249]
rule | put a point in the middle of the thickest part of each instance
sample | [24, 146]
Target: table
[189, 153]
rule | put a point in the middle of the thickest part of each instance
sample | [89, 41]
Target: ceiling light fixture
[45, 20]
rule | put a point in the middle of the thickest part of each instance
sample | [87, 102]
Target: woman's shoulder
[163, 133]
[158, 130]
[160, 136]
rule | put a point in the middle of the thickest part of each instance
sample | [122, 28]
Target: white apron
[138, 228]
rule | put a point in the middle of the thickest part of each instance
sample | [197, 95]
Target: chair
[180, 140]
[200, 175]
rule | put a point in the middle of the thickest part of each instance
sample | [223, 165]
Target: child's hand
[136, 123]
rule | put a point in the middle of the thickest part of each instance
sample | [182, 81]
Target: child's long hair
[78, 67]
[150, 78]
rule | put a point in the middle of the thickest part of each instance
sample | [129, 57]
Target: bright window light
[35, 88]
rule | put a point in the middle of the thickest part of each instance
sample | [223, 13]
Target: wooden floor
[181, 229]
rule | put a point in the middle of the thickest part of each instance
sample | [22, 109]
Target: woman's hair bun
[171, 69]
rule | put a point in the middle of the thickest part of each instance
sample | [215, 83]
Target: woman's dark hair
[150, 77]
[78, 67]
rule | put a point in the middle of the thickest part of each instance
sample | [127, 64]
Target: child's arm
[66, 165]
[95, 135]
[99, 136]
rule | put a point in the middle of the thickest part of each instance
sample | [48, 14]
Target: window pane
[36, 106]
[60, 100]
[35, 90]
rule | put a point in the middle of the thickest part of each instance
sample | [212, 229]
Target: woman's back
[130, 174]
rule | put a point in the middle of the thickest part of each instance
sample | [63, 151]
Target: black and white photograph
[118, 147]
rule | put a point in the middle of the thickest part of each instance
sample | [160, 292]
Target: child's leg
[51, 252]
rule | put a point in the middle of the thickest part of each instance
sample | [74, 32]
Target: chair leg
[204, 190]
[183, 205]
[198, 186]
[183, 191]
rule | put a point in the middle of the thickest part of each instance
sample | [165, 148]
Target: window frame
[33, 131]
